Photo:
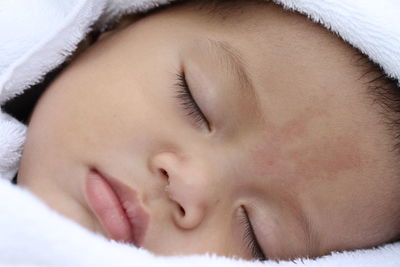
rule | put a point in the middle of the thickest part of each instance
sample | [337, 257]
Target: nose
[187, 185]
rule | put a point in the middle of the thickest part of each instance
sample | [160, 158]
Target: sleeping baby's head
[231, 127]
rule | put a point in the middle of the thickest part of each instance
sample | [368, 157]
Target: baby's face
[277, 133]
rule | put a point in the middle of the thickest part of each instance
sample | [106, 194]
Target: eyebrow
[310, 235]
[232, 59]
[311, 238]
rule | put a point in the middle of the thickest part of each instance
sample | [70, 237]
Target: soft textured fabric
[38, 35]
[33, 235]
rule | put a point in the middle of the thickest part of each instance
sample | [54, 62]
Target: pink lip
[117, 208]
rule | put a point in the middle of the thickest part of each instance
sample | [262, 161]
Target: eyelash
[188, 103]
[250, 238]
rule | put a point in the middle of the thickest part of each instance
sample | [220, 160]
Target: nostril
[164, 172]
[182, 210]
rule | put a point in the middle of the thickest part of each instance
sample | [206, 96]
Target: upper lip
[127, 202]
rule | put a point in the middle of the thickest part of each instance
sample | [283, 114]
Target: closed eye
[251, 239]
[188, 103]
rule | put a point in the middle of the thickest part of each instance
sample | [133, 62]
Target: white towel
[33, 235]
[37, 35]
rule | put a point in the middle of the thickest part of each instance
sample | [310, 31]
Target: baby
[226, 127]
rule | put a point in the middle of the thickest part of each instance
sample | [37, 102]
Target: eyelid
[251, 238]
[188, 102]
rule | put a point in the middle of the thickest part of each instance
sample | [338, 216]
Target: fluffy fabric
[38, 35]
[33, 235]
[117, 8]
[12, 137]
[371, 26]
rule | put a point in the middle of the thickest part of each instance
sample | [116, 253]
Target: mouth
[117, 208]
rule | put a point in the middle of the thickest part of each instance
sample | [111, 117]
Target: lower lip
[117, 208]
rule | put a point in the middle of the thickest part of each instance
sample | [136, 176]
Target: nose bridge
[189, 185]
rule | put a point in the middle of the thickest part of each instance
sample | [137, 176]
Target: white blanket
[33, 235]
[35, 37]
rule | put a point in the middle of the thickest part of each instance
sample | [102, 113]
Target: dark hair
[385, 93]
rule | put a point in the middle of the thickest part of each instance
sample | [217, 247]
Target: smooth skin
[297, 143]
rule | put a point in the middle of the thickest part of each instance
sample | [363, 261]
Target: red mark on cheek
[327, 158]
[276, 140]
[294, 152]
